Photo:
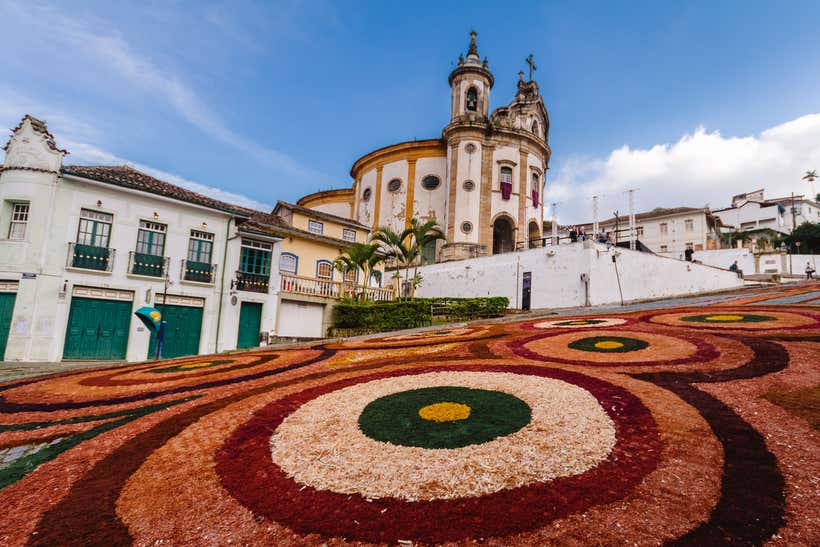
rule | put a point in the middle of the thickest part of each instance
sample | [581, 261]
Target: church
[482, 180]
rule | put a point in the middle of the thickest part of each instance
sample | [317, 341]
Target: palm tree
[423, 234]
[360, 256]
[397, 246]
[811, 176]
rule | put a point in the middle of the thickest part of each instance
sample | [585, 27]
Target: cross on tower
[532, 65]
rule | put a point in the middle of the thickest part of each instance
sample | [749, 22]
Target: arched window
[324, 269]
[288, 263]
[535, 190]
[535, 128]
[506, 182]
[472, 100]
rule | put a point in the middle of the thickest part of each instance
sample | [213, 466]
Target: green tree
[360, 256]
[397, 246]
[422, 234]
[808, 234]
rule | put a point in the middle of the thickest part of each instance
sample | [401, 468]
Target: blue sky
[687, 101]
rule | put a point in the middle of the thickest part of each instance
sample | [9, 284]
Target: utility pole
[555, 224]
[632, 230]
[595, 226]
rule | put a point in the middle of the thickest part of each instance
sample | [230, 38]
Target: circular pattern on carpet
[318, 464]
[609, 344]
[727, 318]
[581, 323]
[443, 417]
[737, 319]
[631, 347]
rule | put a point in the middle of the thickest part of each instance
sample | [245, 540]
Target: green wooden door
[182, 329]
[97, 329]
[6, 309]
[250, 320]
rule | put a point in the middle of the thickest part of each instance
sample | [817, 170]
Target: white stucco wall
[556, 276]
[467, 201]
[42, 306]
[431, 204]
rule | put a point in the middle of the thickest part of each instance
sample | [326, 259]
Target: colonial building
[762, 218]
[482, 180]
[83, 247]
[671, 230]
[310, 284]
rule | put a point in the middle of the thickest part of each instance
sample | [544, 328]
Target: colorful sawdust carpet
[692, 425]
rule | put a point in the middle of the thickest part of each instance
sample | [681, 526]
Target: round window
[366, 194]
[466, 227]
[430, 182]
[468, 185]
[470, 148]
[394, 185]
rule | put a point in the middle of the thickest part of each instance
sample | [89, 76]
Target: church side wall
[500, 206]
[431, 204]
[467, 201]
[364, 215]
[393, 204]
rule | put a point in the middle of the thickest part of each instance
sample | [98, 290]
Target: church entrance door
[503, 236]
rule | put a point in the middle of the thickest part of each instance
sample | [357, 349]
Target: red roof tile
[128, 177]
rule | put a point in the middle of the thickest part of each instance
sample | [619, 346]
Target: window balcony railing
[89, 257]
[312, 286]
[252, 282]
[199, 272]
[148, 265]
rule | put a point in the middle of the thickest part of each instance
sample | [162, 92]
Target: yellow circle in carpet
[608, 344]
[725, 318]
[445, 412]
[195, 365]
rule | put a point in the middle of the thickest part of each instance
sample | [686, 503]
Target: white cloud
[73, 135]
[701, 168]
[114, 56]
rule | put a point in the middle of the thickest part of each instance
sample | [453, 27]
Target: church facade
[482, 180]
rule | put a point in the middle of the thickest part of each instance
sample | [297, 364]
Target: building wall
[675, 239]
[330, 228]
[556, 276]
[752, 216]
[43, 303]
[467, 201]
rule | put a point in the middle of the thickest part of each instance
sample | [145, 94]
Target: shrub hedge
[361, 317]
[380, 316]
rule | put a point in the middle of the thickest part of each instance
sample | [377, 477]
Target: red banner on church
[506, 190]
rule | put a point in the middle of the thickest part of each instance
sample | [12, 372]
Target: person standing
[809, 271]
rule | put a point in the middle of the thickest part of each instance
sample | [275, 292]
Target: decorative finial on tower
[530, 62]
[521, 76]
[473, 48]
[461, 58]
[485, 63]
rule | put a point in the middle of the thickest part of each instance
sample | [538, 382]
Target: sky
[252, 102]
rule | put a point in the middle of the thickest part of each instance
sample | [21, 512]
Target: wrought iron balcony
[252, 282]
[89, 257]
[148, 265]
[199, 272]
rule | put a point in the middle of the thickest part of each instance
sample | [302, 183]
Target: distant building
[759, 219]
[482, 180]
[668, 230]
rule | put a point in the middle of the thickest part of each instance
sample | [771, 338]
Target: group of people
[580, 234]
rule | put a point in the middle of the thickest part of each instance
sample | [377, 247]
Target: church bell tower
[470, 84]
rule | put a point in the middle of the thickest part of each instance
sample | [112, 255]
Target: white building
[752, 212]
[668, 230]
[82, 248]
